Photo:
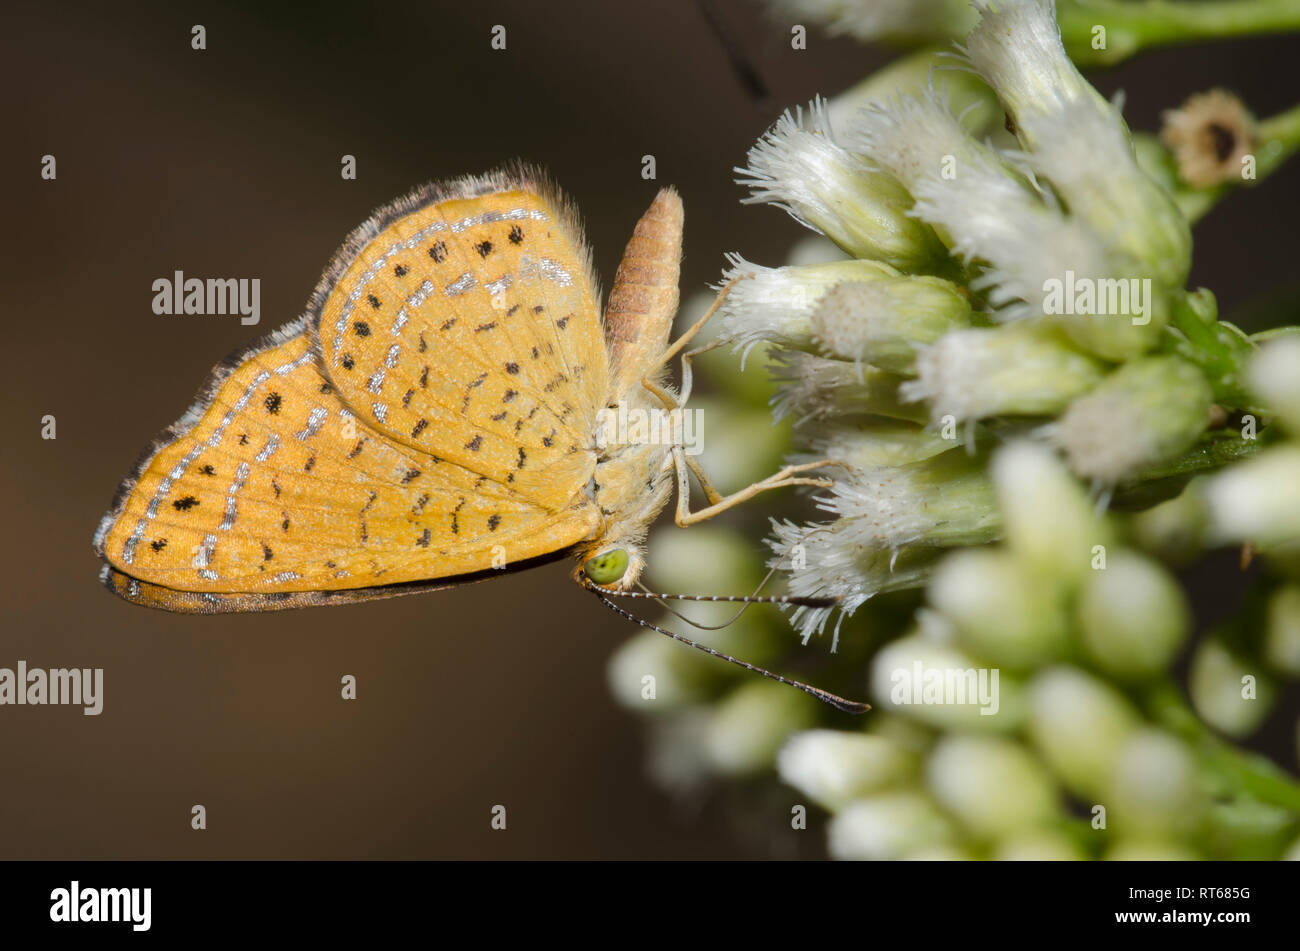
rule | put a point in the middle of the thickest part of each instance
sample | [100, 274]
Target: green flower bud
[776, 303]
[936, 684]
[1048, 522]
[1133, 617]
[1121, 336]
[1230, 693]
[945, 500]
[1077, 140]
[1079, 724]
[1257, 500]
[1018, 369]
[884, 322]
[1282, 630]
[1148, 849]
[1003, 614]
[1039, 846]
[814, 387]
[943, 852]
[965, 94]
[749, 726]
[887, 826]
[991, 784]
[1155, 788]
[875, 443]
[835, 767]
[799, 166]
[1275, 376]
[1144, 413]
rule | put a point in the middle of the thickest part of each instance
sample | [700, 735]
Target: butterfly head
[614, 567]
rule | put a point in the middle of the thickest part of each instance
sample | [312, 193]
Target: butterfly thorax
[633, 478]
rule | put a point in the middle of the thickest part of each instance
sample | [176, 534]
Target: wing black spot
[400, 270]
[475, 444]
[273, 403]
[484, 248]
[373, 301]
[185, 504]
[158, 544]
[439, 252]
[512, 368]
[516, 234]
[493, 522]
[361, 328]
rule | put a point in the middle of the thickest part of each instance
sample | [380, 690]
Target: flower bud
[1144, 413]
[1275, 376]
[1018, 369]
[1230, 693]
[1079, 724]
[814, 387]
[1003, 614]
[1077, 140]
[798, 165]
[991, 784]
[776, 303]
[1282, 630]
[1133, 618]
[945, 500]
[965, 94]
[1155, 788]
[1048, 522]
[835, 766]
[749, 726]
[945, 688]
[1039, 846]
[871, 444]
[1258, 499]
[1148, 849]
[884, 322]
[887, 826]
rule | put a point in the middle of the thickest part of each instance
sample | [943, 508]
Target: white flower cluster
[995, 284]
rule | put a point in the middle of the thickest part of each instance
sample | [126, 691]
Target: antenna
[838, 702]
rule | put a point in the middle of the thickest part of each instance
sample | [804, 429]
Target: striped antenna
[825, 696]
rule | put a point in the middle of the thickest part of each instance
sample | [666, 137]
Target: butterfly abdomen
[643, 298]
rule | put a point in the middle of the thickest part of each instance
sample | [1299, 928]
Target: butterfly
[433, 417]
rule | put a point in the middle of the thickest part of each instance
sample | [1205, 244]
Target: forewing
[463, 322]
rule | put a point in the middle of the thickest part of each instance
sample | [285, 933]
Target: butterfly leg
[680, 343]
[719, 503]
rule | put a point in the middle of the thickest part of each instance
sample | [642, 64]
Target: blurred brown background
[226, 163]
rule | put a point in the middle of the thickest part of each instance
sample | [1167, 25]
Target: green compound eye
[606, 568]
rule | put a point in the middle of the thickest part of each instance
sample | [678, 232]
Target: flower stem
[1133, 25]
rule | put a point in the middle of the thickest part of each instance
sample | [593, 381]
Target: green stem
[1241, 772]
[1133, 25]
